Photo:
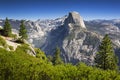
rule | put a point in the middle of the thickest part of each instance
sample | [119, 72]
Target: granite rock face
[75, 18]
[76, 43]
[80, 45]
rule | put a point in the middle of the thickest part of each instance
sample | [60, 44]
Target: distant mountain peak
[74, 12]
[75, 18]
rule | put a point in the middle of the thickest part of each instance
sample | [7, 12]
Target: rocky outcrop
[10, 44]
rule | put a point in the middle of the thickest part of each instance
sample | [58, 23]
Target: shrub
[19, 41]
[11, 48]
[40, 54]
[14, 36]
[3, 42]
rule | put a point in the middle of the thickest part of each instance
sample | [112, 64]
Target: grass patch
[3, 42]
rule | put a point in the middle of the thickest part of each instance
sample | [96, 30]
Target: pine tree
[105, 57]
[7, 31]
[56, 58]
[23, 31]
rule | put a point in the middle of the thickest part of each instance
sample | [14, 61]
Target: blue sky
[51, 9]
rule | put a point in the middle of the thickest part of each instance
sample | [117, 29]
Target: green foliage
[23, 47]
[17, 65]
[7, 30]
[20, 66]
[105, 58]
[91, 73]
[23, 31]
[19, 41]
[14, 36]
[11, 48]
[40, 54]
[56, 58]
[2, 42]
[50, 58]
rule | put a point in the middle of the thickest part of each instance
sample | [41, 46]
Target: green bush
[11, 48]
[3, 42]
[14, 36]
[19, 40]
[40, 54]
[18, 65]
[24, 48]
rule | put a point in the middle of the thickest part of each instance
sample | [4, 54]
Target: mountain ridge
[48, 34]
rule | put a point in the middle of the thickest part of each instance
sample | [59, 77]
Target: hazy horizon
[52, 9]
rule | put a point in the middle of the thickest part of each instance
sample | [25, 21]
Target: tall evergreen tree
[105, 57]
[56, 58]
[23, 31]
[7, 30]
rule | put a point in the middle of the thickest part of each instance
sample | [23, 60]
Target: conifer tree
[7, 31]
[56, 58]
[105, 57]
[23, 31]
